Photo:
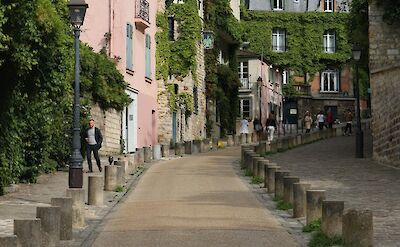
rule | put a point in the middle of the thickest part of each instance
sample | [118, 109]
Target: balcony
[142, 14]
[246, 84]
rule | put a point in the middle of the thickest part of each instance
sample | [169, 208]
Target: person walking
[94, 139]
[321, 120]
[308, 121]
[348, 116]
[257, 127]
[271, 126]
[244, 126]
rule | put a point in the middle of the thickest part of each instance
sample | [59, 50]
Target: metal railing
[142, 9]
[246, 84]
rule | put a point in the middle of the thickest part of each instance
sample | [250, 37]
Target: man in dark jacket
[94, 140]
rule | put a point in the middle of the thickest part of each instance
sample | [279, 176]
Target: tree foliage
[391, 11]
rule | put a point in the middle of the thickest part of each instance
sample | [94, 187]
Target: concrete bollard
[50, 225]
[254, 168]
[165, 150]
[270, 178]
[249, 162]
[262, 148]
[196, 146]
[188, 147]
[243, 138]
[230, 141]
[9, 241]
[332, 213]
[237, 140]
[299, 140]
[140, 156]
[95, 190]
[314, 204]
[260, 167]
[156, 152]
[248, 138]
[279, 175]
[299, 199]
[288, 182]
[78, 210]
[120, 176]
[28, 232]
[358, 228]
[178, 149]
[65, 205]
[123, 164]
[110, 178]
[254, 137]
[273, 147]
[147, 154]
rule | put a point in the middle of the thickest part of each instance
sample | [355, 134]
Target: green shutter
[148, 56]
[129, 32]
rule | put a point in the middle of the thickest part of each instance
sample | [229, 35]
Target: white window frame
[329, 41]
[244, 77]
[328, 5]
[250, 111]
[330, 75]
[278, 5]
[279, 34]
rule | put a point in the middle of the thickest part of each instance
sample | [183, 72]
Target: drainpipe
[110, 12]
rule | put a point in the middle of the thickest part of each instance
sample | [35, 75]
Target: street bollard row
[355, 227]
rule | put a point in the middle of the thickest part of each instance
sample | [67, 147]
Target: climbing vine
[304, 38]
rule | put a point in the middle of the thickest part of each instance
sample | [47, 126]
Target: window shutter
[129, 31]
[148, 56]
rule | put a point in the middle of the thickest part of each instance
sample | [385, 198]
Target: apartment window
[278, 4]
[129, 41]
[328, 5]
[171, 28]
[243, 71]
[330, 81]
[329, 41]
[148, 56]
[245, 108]
[278, 39]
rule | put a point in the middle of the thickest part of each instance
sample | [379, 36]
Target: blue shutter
[148, 56]
[129, 31]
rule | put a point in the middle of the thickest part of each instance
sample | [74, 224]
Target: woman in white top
[244, 126]
[321, 120]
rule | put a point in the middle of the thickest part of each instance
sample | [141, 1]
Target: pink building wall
[112, 17]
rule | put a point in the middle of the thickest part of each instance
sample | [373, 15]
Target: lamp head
[356, 50]
[77, 11]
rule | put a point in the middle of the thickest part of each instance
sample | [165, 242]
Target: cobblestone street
[361, 183]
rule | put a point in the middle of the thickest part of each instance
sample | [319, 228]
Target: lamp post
[260, 84]
[77, 10]
[359, 133]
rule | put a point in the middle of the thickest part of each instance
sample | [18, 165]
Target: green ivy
[176, 101]
[304, 37]
[163, 49]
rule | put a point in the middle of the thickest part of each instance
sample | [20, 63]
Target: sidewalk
[361, 183]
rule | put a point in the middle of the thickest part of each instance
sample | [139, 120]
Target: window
[148, 57]
[278, 4]
[245, 108]
[278, 39]
[330, 81]
[243, 71]
[129, 33]
[171, 28]
[328, 5]
[329, 41]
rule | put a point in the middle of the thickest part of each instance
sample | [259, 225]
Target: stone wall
[384, 53]
[109, 122]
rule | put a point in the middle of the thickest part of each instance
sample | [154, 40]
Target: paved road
[361, 183]
[192, 201]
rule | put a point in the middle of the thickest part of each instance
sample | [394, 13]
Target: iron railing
[142, 9]
[246, 84]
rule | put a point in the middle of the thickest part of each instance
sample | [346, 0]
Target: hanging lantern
[208, 39]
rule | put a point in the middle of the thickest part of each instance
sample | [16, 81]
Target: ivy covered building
[310, 39]
[180, 71]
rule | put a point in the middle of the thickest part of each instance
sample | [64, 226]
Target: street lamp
[260, 84]
[359, 133]
[77, 10]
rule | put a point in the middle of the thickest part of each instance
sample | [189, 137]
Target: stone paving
[362, 183]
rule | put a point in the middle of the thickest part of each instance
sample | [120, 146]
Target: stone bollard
[95, 190]
[262, 148]
[299, 199]
[157, 152]
[230, 141]
[260, 167]
[50, 225]
[279, 175]
[332, 213]
[78, 209]
[28, 232]
[165, 150]
[140, 156]
[358, 228]
[273, 147]
[299, 140]
[270, 178]
[254, 168]
[196, 146]
[120, 176]
[243, 138]
[288, 182]
[237, 140]
[314, 205]
[188, 147]
[254, 137]
[65, 205]
[147, 154]
[110, 178]
[249, 163]
[9, 241]
[123, 164]
[178, 149]
[248, 138]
